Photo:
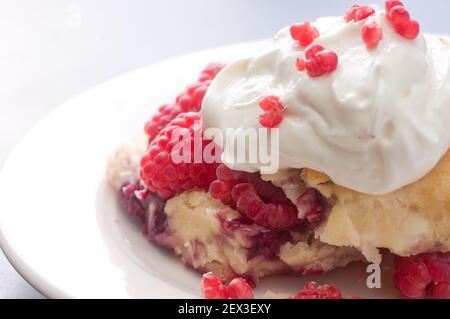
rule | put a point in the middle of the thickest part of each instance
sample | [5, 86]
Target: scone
[326, 146]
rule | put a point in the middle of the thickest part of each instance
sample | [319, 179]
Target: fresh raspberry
[423, 275]
[273, 115]
[167, 177]
[304, 33]
[258, 200]
[238, 288]
[188, 101]
[320, 61]
[358, 13]
[372, 34]
[300, 64]
[320, 292]
[213, 288]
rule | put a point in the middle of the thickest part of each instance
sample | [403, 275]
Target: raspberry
[131, 203]
[422, 275]
[321, 292]
[260, 201]
[188, 101]
[167, 177]
[358, 12]
[312, 51]
[304, 33]
[213, 288]
[238, 288]
[390, 4]
[273, 115]
[371, 34]
[300, 64]
[327, 60]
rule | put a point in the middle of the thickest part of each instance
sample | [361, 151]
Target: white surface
[46, 58]
[68, 236]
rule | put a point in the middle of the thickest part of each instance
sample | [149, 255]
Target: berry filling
[423, 275]
[167, 177]
[188, 101]
[260, 201]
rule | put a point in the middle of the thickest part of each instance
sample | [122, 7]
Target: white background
[51, 50]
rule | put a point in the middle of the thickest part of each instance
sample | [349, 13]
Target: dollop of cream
[379, 122]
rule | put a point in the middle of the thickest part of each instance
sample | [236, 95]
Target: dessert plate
[60, 224]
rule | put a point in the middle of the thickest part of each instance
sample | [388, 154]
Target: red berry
[304, 33]
[211, 71]
[358, 12]
[167, 177]
[300, 64]
[271, 119]
[321, 292]
[409, 30]
[422, 275]
[212, 287]
[271, 103]
[399, 16]
[371, 34]
[311, 206]
[390, 4]
[238, 288]
[441, 291]
[312, 51]
[327, 60]
[188, 101]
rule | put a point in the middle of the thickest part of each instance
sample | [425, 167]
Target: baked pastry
[354, 112]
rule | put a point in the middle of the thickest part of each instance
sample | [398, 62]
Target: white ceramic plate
[60, 224]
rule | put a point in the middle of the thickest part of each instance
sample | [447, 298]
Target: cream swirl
[379, 122]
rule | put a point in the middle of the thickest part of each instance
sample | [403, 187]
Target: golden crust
[409, 221]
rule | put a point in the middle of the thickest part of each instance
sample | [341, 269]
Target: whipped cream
[379, 122]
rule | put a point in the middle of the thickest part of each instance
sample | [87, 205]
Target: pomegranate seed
[358, 12]
[390, 4]
[327, 60]
[238, 288]
[271, 103]
[304, 33]
[212, 287]
[312, 51]
[371, 34]
[409, 30]
[399, 16]
[300, 64]
[271, 119]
